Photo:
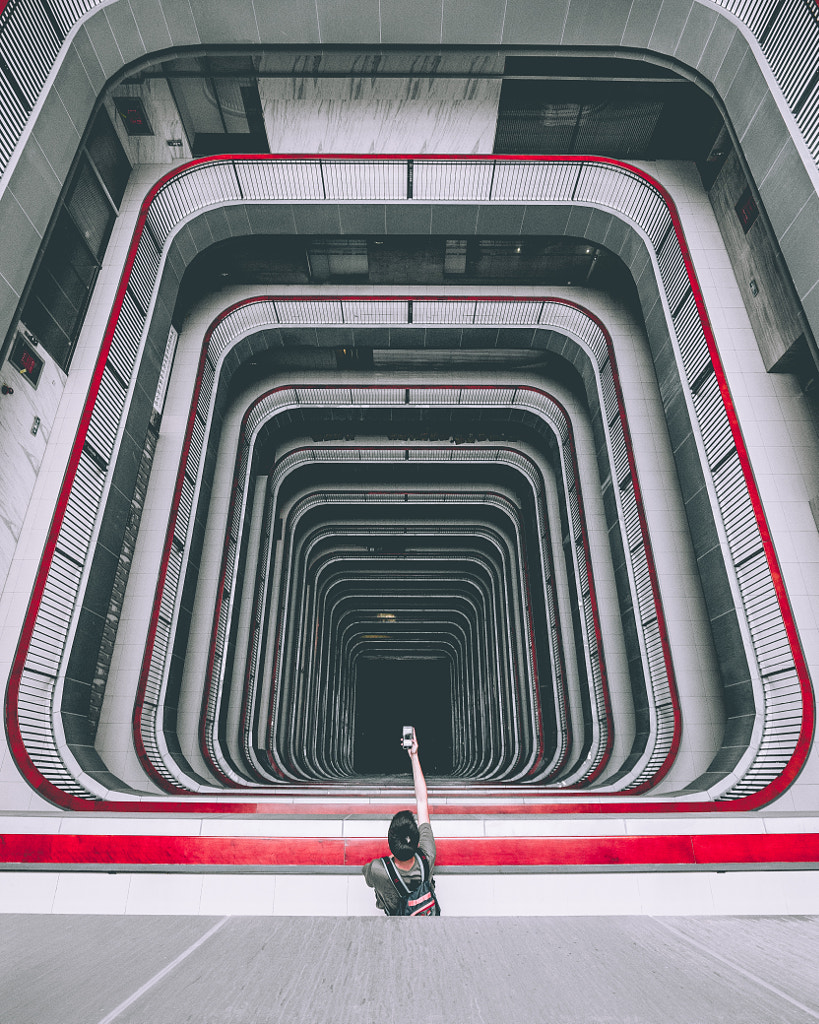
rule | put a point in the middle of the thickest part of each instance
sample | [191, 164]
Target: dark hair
[403, 835]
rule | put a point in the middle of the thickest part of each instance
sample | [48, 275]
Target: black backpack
[420, 902]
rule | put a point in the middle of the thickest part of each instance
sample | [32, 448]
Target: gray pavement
[578, 970]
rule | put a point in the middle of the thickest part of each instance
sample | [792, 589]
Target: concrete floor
[630, 970]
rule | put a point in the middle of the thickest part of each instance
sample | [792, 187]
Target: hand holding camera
[409, 741]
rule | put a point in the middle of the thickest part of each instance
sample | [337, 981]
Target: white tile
[273, 827]
[115, 826]
[25, 824]
[793, 824]
[364, 828]
[300, 895]
[595, 894]
[16, 796]
[27, 892]
[748, 892]
[680, 825]
[520, 895]
[534, 826]
[801, 891]
[91, 893]
[467, 895]
[675, 894]
[361, 898]
[164, 894]
[246, 895]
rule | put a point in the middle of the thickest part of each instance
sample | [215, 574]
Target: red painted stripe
[759, 799]
[681, 850]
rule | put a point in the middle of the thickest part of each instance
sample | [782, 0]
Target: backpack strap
[395, 876]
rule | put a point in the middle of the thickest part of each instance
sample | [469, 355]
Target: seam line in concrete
[741, 970]
[161, 974]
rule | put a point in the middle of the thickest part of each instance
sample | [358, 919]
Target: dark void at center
[391, 694]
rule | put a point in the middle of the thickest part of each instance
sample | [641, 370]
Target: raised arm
[419, 782]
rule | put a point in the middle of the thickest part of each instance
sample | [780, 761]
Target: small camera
[406, 737]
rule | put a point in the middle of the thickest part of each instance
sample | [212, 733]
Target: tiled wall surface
[461, 895]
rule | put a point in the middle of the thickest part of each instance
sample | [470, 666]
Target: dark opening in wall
[620, 117]
[391, 694]
[220, 115]
[55, 305]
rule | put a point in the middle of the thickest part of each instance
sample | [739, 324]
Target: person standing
[412, 846]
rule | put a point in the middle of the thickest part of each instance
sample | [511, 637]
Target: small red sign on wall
[25, 359]
[132, 114]
[747, 210]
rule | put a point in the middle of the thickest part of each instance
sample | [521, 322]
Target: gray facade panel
[75, 88]
[8, 301]
[234, 23]
[366, 220]
[237, 218]
[317, 220]
[453, 220]
[273, 220]
[545, 220]
[671, 25]
[764, 140]
[35, 186]
[407, 220]
[286, 21]
[156, 34]
[20, 243]
[461, 26]
[533, 23]
[343, 22]
[786, 188]
[200, 232]
[694, 39]
[810, 304]
[219, 223]
[56, 134]
[88, 55]
[578, 222]
[101, 37]
[124, 28]
[747, 92]
[719, 42]
[178, 18]
[800, 247]
[500, 220]
[411, 23]
[641, 23]
[729, 66]
[585, 26]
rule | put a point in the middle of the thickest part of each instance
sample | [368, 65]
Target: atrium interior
[365, 365]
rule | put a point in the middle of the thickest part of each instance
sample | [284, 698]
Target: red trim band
[680, 851]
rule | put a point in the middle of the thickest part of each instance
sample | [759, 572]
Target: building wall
[774, 418]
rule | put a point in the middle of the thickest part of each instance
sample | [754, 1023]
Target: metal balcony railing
[785, 705]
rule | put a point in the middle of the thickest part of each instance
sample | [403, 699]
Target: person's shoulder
[426, 840]
[373, 870]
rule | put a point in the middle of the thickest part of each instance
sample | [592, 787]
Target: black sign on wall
[747, 210]
[131, 111]
[25, 359]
